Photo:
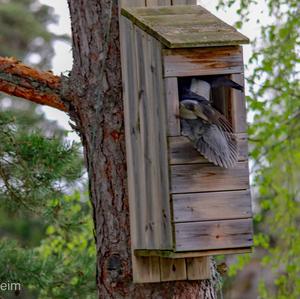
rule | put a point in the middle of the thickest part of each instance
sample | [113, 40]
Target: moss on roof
[184, 26]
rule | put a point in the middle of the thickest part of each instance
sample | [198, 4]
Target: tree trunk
[97, 110]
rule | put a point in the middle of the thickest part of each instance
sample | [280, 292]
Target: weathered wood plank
[198, 268]
[208, 38]
[172, 269]
[145, 214]
[242, 142]
[190, 254]
[154, 226]
[142, 269]
[148, 3]
[206, 61]
[184, 2]
[207, 177]
[181, 150]
[131, 129]
[221, 98]
[150, 228]
[161, 203]
[213, 234]
[132, 3]
[158, 2]
[154, 207]
[211, 206]
[172, 98]
[184, 21]
[157, 11]
[238, 106]
[146, 269]
[142, 3]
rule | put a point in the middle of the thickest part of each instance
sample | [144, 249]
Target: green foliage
[34, 168]
[70, 239]
[63, 265]
[275, 134]
[54, 256]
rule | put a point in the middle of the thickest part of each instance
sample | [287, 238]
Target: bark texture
[20, 80]
[97, 109]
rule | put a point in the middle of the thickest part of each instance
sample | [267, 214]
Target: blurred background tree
[274, 104]
[45, 226]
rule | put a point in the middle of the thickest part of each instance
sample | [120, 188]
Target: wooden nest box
[182, 208]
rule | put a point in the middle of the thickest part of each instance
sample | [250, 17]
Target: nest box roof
[184, 26]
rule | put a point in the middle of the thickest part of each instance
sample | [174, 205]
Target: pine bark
[97, 109]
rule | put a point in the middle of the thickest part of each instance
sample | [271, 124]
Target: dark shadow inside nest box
[219, 96]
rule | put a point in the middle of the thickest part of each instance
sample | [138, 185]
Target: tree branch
[18, 79]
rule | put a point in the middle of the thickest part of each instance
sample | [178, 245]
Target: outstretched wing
[217, 146]
[214, 144]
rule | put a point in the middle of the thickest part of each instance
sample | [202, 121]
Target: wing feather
[215, 145]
